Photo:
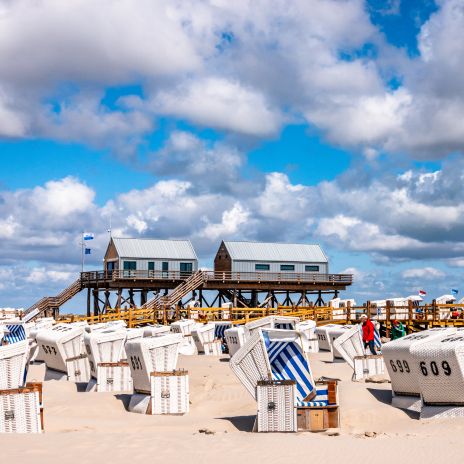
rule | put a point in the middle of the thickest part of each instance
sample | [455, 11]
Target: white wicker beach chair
[333, 333]
[349, 344]
[322, 334]
[20, 410]
[169, 395]
[271, 322]
[61, 342]
[132, 334]
[151, 354]
[203, 336]
[403, 369]
[112, 377]
[151, 331]
[13, 359]
[440, 372]
[184, 327]
[104, 346]
[235, 339]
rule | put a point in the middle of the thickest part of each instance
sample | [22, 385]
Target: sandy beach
[85, 427]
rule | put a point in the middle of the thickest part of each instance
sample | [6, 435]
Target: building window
[129, 268]
[311, 268]
[262, 267]
[110, 266]
[165, 268]
[186, 269]
[151, 265]
[287, 267]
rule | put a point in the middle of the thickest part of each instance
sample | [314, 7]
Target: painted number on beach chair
[399, 365]
[435, 368]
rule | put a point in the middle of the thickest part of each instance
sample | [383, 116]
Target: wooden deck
[261, 281]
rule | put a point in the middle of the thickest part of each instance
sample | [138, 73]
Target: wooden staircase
[53, 303]
[197, 279]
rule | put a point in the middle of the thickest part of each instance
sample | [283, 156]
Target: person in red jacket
[368, 333]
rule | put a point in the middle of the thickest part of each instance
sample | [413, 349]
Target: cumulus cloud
[221, 103]
[426, 273]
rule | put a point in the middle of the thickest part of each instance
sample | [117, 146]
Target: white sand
[95, 427]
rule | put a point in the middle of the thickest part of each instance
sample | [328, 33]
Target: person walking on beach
[397, 330]
[368, 334]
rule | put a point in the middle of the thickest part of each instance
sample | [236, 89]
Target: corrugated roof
[279, 252]
[153, 248]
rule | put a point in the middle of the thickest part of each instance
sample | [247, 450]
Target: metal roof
[277, 252]
[153, 248]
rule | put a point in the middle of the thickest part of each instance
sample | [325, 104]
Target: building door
[151, 269]
[165, 268]
[186, 269]
[129, 268]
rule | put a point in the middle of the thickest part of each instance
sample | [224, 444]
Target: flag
[87, 236]
[454, 291]
[87, 251]
[422, 292]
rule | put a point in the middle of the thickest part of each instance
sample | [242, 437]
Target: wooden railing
[412, 317]
[294, 277]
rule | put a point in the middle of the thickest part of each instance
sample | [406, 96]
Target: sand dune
[84, 427]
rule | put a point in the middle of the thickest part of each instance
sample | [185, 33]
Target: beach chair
[269, 362]
[59, 344]
[271, 322]
[132, 334]
[402, 368]
[273, 355]
[151, 331]
[322, 334]
[308, 331]
[158, 387]
[184, 327]
[219, 329]
[205, 341]
[235, 339]
[13, 363]
[440, 373]
[21, 409]
[104, 350]
[332, 334]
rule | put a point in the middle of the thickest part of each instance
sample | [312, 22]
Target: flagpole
[82, 252]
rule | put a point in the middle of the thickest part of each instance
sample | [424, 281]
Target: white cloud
[221, 103]
[230, 224]
[427, 273]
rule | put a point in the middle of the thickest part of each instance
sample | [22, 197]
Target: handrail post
[348, 312]
[410, 313]
[387, 318]
[434, 309]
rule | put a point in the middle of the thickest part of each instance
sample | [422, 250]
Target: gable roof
[153, 248]
[278, 252]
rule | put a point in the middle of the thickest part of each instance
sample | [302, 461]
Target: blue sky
[328, 122]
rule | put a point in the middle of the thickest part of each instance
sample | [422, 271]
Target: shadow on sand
[124, 398]
[385, 396]
[241, 423]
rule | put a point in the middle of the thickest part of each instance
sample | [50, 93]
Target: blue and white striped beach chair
[288, 362]
[14, 333]
[219, 329]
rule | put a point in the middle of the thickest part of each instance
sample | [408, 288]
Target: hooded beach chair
[205, 340]
[271, 322]
[104, 350]
[158, 387]
[219, 333]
